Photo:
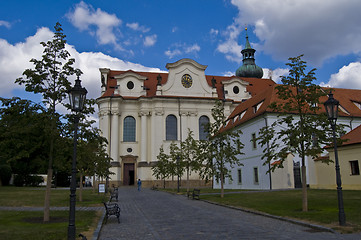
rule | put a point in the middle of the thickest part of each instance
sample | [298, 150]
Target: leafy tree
[300, 127]
[23, 137]
[221, 149]
[49, 77]
[175, 161]
[160, 170]
[188, 152]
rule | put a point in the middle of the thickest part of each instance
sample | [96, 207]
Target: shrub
[5, 174]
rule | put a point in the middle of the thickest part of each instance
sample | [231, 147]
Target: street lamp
[77, 97]
[331, 106]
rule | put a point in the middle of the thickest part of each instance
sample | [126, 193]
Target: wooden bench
[111, 209]
[194, 194]
[114, 195]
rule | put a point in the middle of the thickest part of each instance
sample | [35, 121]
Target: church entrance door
[128, 174]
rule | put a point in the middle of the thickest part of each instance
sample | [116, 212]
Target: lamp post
[77, 97]
[331, 106]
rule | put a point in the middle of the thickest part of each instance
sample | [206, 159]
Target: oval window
[236, 90]
[130, 85]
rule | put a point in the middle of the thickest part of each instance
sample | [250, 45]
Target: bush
[19, 180]
[27, 180]
[5, 174]
[33, 180]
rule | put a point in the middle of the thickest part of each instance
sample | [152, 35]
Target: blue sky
[145, 35]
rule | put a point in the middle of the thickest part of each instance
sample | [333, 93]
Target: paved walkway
[149, 215]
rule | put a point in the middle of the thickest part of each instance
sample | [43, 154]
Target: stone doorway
[128, 174]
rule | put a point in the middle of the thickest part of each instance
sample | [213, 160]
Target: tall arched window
[203, 121]
[171, 127]
[129, 129]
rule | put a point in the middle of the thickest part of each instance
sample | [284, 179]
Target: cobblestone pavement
[149, 215]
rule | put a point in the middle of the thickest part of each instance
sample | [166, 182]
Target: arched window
[129, 129]
[203, 121]
[171, 127]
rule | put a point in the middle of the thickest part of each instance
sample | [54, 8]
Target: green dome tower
[249, 67]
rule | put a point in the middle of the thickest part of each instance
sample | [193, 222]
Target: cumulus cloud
[318, 29]
[180, 49]
[275, 74]
[348, 76]
[230, 47]
[192, 49]
[5, 24]
[86, 18]
[14, 59]
[137, 27]
[150, 40]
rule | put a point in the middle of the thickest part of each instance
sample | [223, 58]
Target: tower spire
[249, 67]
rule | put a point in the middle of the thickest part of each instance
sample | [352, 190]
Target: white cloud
[318, 29]
[84, 17]
[192, 49]
[137, 27]
[214, 31]
[230, 47]
[172, 53]
[182, 48]
[14, 59]
[150, 40]
[5, 24]
[347, 77]
[275, 74]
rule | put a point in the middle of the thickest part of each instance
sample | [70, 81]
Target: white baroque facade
[141, 111]
[254, 114]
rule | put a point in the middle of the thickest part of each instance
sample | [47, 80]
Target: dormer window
[358, 105]
[130, 85]
[343, 109]
[256, 107]
[235, 89]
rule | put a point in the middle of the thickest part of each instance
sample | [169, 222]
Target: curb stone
[314, 226]
[99, 227]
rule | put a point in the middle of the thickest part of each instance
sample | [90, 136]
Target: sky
[145, 35]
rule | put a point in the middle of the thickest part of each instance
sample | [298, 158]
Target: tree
[23, 137]
[221, 149]
[300, 127]
[50, 78]
[161, 169]
[188, 152]
[175, 162]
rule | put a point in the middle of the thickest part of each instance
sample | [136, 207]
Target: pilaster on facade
[114, 134]
[143, 135]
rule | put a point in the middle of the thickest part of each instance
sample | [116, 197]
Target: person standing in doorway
[139, 184]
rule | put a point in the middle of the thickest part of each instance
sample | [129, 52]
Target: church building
[141, 111]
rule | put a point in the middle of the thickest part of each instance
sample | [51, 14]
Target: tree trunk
[94, 183]
[187, 181]
[47, 196]
[304, 189]
[81, 188]
[222, 189]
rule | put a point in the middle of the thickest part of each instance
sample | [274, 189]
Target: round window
[130, 85]
[129, 150]
[236, 90]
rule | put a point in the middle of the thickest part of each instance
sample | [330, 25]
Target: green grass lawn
[22, 224]
[29, 225]
[34, 197]
[323, 206]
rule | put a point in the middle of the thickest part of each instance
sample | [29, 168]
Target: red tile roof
[255, 86]
[352, 137]
[346, 97]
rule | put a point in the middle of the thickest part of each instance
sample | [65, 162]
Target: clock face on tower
[187, 81]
